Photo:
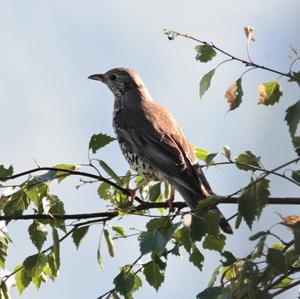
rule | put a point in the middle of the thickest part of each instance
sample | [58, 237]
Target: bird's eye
[112, 77]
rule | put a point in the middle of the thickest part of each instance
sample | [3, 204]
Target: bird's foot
[131, 193]
[170, 200]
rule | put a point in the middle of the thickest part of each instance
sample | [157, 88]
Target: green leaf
[167, 190]
[104, 191]
[152, 241]
[115, 296]
[234, 94]
[296, 75]
[292, 117]
[200, 153]
[213, 219]
[36, 191]
[253, 200]
[209, 201]
[210, 293]
[52, 267]
[5, 172]
[154, 192]
[4, 291]
[276, 260]
[283, 283]
[269, 93]
[278, 246]
[291, 257]
[137, 283]
[214, 242]
[55, 249]
[238, 220]
[109, 171]
[205, 82]
[126, 282]
[296, 144]
[38, 234]
[230, 258]
[153, 274]
[296, 231]
[54, 206]
[296, 175]
[259, 248]
[22, 279]
[260, 191]
[247, 207]
[199, 227]
[257, 235]
[60, 174]
[210, 158]
[4, 242]
[17, 204]
[205, 53]
[98, 141]
[213, 277]
[78, 234]
[34, 264]
[160, 231]
[119, 230]
[38, 280]
[247, 161]
[227, 152]
[197, 258]
[183, 237]
[109, 242]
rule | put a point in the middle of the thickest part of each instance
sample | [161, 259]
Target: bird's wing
[162, 144]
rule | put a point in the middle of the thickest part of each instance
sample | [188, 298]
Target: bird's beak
[98, 77]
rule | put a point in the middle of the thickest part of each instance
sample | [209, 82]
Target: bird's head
[119, 80]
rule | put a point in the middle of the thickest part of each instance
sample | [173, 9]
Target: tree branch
[248, 63]
[141, 207]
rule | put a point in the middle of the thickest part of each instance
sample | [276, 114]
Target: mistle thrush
[151, 140]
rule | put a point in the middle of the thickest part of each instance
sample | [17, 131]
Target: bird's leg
[140, 185]
[171, 199]
[131, 193]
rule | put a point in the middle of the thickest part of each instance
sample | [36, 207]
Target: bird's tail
[224, 224]
[192, 200]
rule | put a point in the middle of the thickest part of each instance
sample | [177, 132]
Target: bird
[151, 140]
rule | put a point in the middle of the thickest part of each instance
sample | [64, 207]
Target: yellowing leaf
[269, 93]
[234, 94]
[200, 153]
[110, 243]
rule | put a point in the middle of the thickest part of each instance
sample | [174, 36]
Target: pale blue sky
[49, 109]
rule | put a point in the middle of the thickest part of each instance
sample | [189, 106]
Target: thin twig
[247, 63]
[142, 207]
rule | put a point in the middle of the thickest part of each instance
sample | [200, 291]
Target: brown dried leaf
[230, 93]
[262, 93]
[249, 31]
[292, 219]
[234, 94]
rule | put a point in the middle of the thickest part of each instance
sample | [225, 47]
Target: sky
[49, 110]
